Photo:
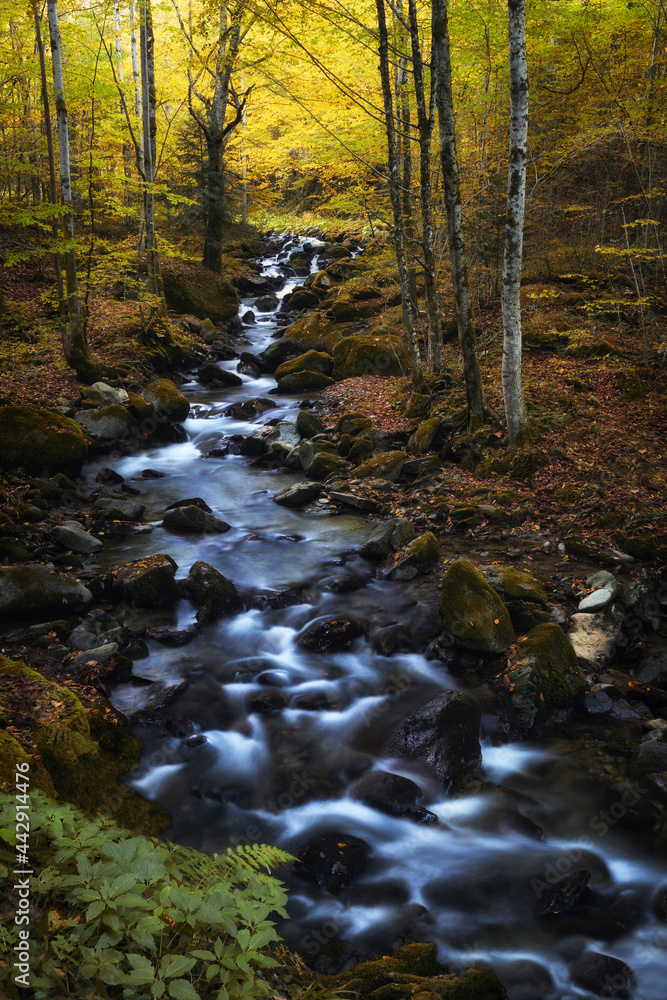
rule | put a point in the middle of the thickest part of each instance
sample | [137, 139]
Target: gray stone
[120, 510]
[108, 424]
[650, 757]
[285, 432]
[365, 504]
[73, 536]
[97, 654]
[596, 601]
[133, 699]
[604, 579]
[107, 394]
[389, 536]
[594, 636]
[30, 591]
[298, 495]
[193, 519]
[82, 638]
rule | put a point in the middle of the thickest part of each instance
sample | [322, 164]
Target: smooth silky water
[472, 883]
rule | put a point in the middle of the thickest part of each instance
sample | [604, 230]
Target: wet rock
[308, 332]
[325, 465]
[353, 422]
[190, 502]
[193, 519]
[40, 441]
[267, 303]
[391, 794]
[95, 654]
[444, 734]
[364, 504]
[211, 374]
[148, 583]
[387, 537]
[109, 423]
[74, 537]
[302, 381]
[82, 637]
[326, 635]
[595, 636]
[650, 757]
[547, 680]
[29, 591]
[418, 557]
[216, 595]
[267, 702]
[169, 402]
[472, 610]
[387, 465]
[303, 298]
[120, 510]
[285, 432]
[603, 975]
[514, 583]
[332, 861]
[566, 893]
[298, 495]
[140, 699]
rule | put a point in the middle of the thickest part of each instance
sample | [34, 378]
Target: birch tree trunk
[137, 88]
[154, 283]
[75, 345]
[515, 408]
[435, 349]
[441, 68]
[127, 151]
[395, 196]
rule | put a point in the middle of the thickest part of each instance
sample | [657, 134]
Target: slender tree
[442, 69]
[147, 47]
[515, 407]
[395, 196]
[75, 345]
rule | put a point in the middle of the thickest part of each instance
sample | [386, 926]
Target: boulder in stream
[445, 734]
[391, 794]
[298, 495]
[311, 361]
[216, 595]
[472, 610]
[603, 975]
[302, 381]
[418, 557]
[332, 861]
[168, 400]
[211, 374]
[193, 519]
[329, 634]
[148, 583]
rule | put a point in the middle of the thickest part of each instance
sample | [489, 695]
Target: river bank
[340, 645]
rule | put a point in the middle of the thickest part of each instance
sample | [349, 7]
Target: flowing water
[267, 738]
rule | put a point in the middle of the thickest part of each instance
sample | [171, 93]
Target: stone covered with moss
[26, 591]
[358, 355]
[108, 423]
[308, 332]
[472, 610]
[206, 296]
[386, 465]
[311, 361]
[515, 583]
[426, 434]
[213, 592]
[303, 381]
[324, 464]
[168, 401]
[413, 971]
[40, 441]
[546, 681]
[148, 583]
[418, 557]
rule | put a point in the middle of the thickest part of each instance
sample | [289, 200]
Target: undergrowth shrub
[118, 916]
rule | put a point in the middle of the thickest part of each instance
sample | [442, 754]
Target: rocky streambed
[461, 739]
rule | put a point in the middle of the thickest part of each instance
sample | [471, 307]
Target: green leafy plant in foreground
[130, 916]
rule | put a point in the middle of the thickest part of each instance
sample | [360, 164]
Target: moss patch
[40, 441]
[472, 610]
[381, 355]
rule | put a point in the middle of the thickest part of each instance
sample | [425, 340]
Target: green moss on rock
[386, 465]
[357, 355]
[309, 331]
[325, 464]
[303, 381]
[205, 295]
[418, 557]
[33, 590]
[515, 583]
[546, 680]
[168, 400]
[311, 361]
[148, 583]
[40, 441]
[425, 434]
[472, 610]
[11, 754]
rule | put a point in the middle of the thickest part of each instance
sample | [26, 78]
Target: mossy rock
[639, 546]
[303, 298]
[12, 550]
[11, 754]
[586, 345]
[348, 307]
[26, 591]
[386, 465]
[352, 422]
[108, 423]
[325, 464]
[140, 408]
[308, 332]
[168, 400]
[311, 361]
[546, 680]
[515, 583]
[357, 355]
[426, 434]
[308, 424]
[631, 385]
[302, 381]
[472, 610]
[205, 295]
[418, 557]
[362, 447]
[40, 441]
[215, 594]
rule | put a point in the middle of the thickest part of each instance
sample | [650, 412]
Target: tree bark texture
[75, 345]
[435, 349]
[395, 196]
[450, 177]
[136, 77]
[146, 45]
[515, 408]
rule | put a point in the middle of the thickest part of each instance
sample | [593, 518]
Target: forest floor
[595, 377]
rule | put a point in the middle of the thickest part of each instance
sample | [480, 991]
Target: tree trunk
[515, 408]
[405, 148]
[450, 177]
[214, 202]
[395, 196]
[435, 350]
[137, 89]
[74, 343]
[154, 282]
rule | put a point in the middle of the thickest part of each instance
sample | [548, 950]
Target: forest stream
[268, 740]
